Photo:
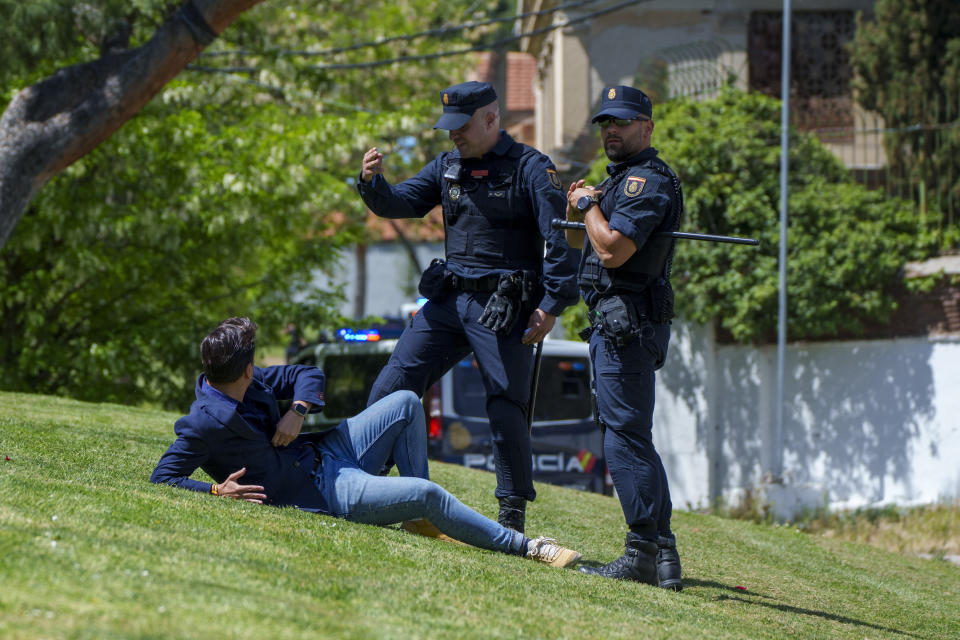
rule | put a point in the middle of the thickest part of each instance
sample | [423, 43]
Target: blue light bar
[366, 335]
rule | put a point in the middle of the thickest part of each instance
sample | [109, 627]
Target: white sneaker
[547, 550]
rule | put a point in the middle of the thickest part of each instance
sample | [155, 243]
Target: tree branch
[52, 124]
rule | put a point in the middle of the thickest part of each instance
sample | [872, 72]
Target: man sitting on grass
[234, 430]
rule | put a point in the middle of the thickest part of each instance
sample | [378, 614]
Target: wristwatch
[300, 409]
[585, 202]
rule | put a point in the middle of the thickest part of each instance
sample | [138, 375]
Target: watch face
[585, 203]
[300, 409]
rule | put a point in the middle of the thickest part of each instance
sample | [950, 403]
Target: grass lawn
[90, 549]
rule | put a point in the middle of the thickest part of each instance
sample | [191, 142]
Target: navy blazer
[215, 438]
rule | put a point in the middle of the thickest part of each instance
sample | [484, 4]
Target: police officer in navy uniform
[624, 278]
[506, 278]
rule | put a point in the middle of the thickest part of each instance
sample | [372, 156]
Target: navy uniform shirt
[635, 201]
[417, 196]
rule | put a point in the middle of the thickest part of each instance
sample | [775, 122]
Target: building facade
[692, 48]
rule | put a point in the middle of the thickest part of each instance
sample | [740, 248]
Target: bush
[846, 244]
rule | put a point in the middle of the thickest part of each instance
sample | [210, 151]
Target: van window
[469, 397]
[349, 380]
[564, 391]
[563, 394]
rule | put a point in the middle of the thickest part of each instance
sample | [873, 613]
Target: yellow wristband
[214, 489]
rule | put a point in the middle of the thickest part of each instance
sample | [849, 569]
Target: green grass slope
[90, 549]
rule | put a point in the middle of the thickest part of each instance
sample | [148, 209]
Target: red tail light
[434, 413]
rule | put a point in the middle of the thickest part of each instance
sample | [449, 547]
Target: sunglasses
[620, 122]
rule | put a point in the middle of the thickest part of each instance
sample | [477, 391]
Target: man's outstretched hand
[232, 489]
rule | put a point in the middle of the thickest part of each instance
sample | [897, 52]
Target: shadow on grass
[746, 597]
[590, 563]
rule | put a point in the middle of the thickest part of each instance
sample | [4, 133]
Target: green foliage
[846, 244]
[91, 549]
[907, 65]
[39, 36]
[222, 197]
[116, 272]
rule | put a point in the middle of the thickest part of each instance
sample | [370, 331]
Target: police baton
[557, 223]
[534, 383]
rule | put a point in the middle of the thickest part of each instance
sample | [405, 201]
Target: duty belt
[487, 283]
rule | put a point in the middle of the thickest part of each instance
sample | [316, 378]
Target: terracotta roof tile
[521, 73]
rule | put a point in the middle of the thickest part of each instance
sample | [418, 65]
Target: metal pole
[784, 155]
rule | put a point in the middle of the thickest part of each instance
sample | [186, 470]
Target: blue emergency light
[365, 335]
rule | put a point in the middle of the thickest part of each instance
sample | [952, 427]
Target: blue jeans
[356, 450]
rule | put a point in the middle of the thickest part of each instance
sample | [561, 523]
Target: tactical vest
[648, 268]
[488, 219]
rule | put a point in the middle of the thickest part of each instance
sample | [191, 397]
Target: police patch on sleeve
[634, 186]
[554, 178]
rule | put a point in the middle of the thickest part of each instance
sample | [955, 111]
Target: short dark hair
[228, 349]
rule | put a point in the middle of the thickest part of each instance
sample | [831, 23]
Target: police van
[567, 444]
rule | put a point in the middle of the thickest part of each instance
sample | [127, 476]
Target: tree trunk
[360, 282]
[52, 124]
[411, 250]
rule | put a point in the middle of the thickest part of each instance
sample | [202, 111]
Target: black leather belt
[487, 283]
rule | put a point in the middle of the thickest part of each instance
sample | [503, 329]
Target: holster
[531, 291]
[435, 280]
[617, 320]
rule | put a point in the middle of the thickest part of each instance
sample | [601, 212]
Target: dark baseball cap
[461, 101]
[623, 102]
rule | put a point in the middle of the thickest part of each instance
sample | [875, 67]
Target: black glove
[503, 307]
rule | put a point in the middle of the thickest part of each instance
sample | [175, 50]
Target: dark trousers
[442, 333]
[625, 379]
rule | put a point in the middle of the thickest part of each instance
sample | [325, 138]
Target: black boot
[668, 563]
[638, 563]
[513, 511]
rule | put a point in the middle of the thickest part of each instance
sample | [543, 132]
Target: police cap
[460, 102]
[623, 102]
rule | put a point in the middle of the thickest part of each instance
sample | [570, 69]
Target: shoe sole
[674, 585]
[566, 558]
[592, 571]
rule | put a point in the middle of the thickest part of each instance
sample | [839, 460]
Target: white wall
[866, 422]
[391, 280]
